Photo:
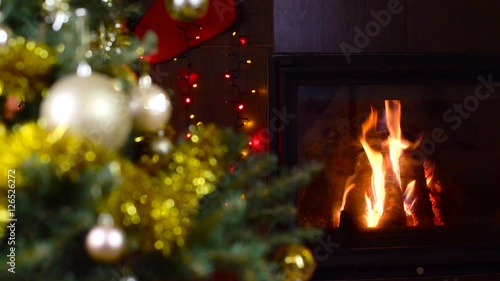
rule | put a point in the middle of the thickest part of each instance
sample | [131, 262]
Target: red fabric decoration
[171, 42]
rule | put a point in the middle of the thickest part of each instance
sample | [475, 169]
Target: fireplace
[410, 146]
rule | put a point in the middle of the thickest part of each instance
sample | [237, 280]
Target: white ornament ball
[161, 145]
[5, 35]
[92, 106]
[105, 242]
[150, 106]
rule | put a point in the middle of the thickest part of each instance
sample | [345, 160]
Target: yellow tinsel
[67, 156]
[157, 198]
[161, 200]
[24, 65]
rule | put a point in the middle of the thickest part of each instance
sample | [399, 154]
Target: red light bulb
[188, 100]
[250, 143]
[241, 106]
[197, 37]
[227, 76]
[188, 135]
[243, 41]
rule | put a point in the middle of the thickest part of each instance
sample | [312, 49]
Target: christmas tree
[93, 186]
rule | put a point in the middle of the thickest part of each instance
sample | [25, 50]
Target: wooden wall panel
[321, 25]
[452, 26]
[256, 20]
[444, 26]
[494, 28]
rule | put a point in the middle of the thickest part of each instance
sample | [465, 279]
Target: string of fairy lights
[189, 77]
[233, 76]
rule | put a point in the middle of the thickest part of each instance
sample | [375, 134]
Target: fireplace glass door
[400, 156]
[410, 150]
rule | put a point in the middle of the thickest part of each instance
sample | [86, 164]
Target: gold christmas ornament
[105, 242]
[24, 66]
[187, 10]
[150, 106]
[297, 262]
[89, 106]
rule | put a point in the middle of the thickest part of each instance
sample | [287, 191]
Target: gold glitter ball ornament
[105, 242]
[297, 262]
[187, 10]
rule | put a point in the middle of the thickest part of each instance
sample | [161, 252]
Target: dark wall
[417, 26]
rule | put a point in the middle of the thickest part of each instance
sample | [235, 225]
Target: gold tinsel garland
[24, 65]
[160, 203]
[155, 200]
[65, 155]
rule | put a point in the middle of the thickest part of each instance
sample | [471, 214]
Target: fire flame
[375, 199]
[395, 140]
[346, 192]
[409, 198]
[374, 205]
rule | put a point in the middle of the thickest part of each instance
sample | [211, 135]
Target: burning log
[394, 187]
[355, 192]
[394, 214]
[413, 181]
[435, 190]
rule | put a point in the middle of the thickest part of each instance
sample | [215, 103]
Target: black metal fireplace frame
[385, 258]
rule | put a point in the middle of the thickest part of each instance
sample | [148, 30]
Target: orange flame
[396, 145]
[374, 205]
[346, 192]
[395, 140]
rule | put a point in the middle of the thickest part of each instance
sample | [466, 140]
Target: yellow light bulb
[234, 33]
[195, 86]
[254, 91]
[249, 61]
[191, 116]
